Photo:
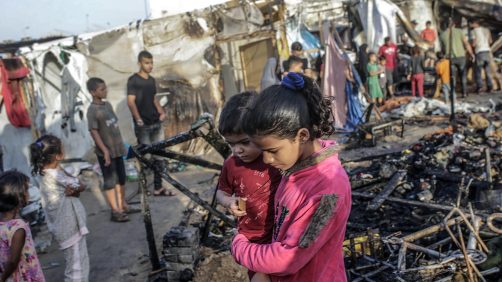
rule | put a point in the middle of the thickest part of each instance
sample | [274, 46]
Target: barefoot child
[245, 177]
[373, 79]
[66, 216]
[313, 200]
[18, 258]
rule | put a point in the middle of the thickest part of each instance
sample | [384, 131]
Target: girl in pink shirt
[312, 203]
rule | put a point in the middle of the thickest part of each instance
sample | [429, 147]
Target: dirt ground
[219, 267]
[119, 251]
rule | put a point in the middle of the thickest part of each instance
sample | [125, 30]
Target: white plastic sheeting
[162, 8]
[425, 107]
[379, 21]
[14, 142]
[185, 67]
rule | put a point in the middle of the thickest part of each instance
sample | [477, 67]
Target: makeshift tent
[378, 20]
[192, 52]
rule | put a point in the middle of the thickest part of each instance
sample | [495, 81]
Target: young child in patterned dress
[66, 216]
[18, 258]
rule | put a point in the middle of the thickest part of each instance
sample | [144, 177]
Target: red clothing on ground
[428, 35]
[258, 183]
[390, 54]
[295, 254]
[417, 80]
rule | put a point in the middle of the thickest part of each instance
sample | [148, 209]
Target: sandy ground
[119, 251]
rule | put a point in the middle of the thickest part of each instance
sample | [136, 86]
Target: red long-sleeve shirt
[312, 207]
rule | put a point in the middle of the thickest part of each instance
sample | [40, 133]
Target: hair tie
[293, 81]
[40, 144]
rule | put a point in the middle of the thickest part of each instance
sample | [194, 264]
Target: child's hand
[71, 192]
[107, 158]
[260, 277]
[234, 208]
[162, 117]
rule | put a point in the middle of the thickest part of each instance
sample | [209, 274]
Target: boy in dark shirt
[245, 178]
[295, 64]
[296, 51]
[104, 128]
[147, 112]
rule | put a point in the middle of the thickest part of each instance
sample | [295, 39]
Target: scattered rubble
[431, 212]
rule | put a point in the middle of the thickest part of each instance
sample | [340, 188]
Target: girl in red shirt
[313, 200]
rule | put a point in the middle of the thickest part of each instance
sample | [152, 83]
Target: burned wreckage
[430, 212]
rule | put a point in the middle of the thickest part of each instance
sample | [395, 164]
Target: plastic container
[131, 171]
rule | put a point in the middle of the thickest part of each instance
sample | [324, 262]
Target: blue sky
[39, 18]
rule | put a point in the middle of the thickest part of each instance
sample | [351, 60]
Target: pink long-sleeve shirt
[312, 207]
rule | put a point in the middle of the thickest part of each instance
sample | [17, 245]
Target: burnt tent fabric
[12, 72]
[69, 91]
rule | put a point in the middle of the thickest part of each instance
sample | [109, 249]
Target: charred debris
[431, 212]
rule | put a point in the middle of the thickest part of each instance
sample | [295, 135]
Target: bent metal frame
[203, 127]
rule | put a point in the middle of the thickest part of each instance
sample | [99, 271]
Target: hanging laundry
[12, 71]
[354, 109]
[334, 82]
[269, 76]
[69, 92]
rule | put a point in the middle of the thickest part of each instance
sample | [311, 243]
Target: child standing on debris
[247, 185]
[417, 71]
[104, 128]
[65, 214]
[443, 72]
[374, 72]
[313, 200]
[18, 258]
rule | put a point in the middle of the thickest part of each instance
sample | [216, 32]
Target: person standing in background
[482, 39]
[429, 34]
[147, 113]
[459, 46]
[389, 51]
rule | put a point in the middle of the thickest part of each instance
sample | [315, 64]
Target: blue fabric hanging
[354, 110]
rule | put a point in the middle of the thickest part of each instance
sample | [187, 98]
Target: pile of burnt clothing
[408, 199]
[417, 107]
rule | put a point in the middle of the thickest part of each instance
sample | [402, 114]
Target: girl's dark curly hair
[44, 152]
[282, 110]
[13, 186]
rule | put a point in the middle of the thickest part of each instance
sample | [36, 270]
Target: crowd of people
[285, 185]
[419, 65]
